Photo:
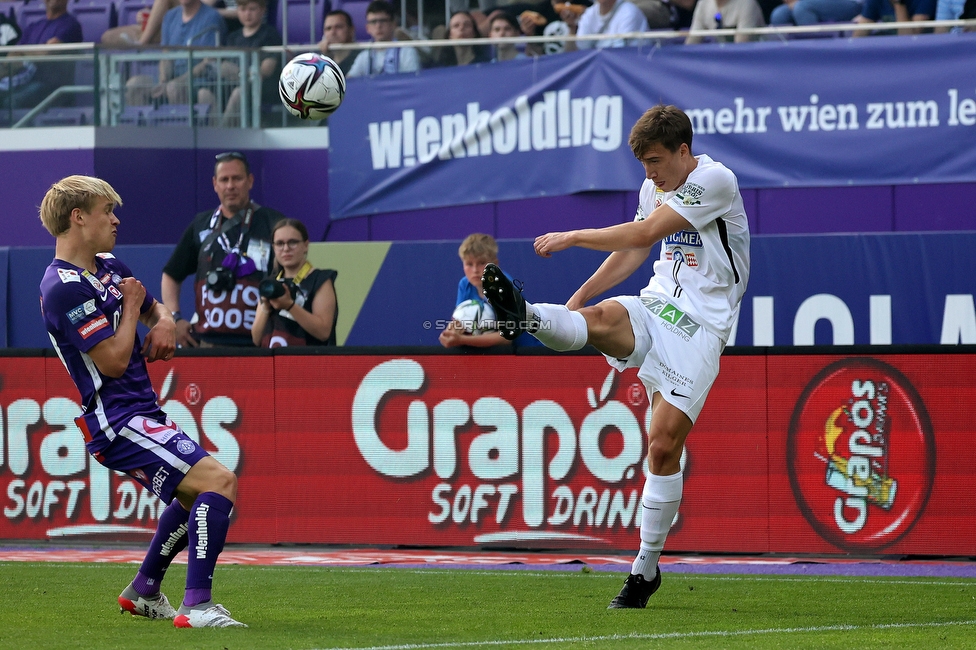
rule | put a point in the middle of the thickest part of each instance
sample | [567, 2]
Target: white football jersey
[704, 271]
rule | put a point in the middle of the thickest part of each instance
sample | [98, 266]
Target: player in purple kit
[91, 304]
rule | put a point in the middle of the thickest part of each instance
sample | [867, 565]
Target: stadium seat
[9, 8]
[66, 116]
[135, 115]
[127, 10]
[95, 17]
[30, 13]
[298, 19]
[357, 11]
[9, 118]
[176, 115]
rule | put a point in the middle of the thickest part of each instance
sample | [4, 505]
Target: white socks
[660, 501]
[559, 328]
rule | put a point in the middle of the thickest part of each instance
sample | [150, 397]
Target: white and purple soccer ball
[311, 86]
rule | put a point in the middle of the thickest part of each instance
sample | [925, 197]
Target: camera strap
[300, 276]
[221, 233]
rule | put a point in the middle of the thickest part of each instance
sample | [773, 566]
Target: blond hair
[70, 193]
[480, 247]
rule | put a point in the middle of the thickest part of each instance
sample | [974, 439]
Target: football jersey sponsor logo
[685, 238]
[115, 292]
[861, 454]
[105, 279]
[675, 321]
[68, 275]
[93, 326]
[96, 283]
[78, 313]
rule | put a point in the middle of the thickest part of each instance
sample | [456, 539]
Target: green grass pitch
[48, 605]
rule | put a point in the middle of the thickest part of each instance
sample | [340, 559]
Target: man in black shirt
[229, 252]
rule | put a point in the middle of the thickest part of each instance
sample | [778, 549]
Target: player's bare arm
[663, 221]
[170, 290]
[111, 356]
[160, 343]
[619, 266]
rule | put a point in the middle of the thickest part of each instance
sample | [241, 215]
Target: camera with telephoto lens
[221, 278]
[272, 288]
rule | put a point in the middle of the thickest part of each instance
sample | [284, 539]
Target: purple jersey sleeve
[71, 307]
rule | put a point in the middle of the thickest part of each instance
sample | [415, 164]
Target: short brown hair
[479, 246]
[262, 3]
[664, 125]
[70, 193]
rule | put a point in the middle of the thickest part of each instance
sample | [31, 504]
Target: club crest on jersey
[68, 275]
[686, 257]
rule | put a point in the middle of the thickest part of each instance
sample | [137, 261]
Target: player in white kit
[675, 330]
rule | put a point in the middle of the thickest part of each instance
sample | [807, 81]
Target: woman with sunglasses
[298, 302]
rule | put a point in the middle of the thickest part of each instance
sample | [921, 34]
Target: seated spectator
[393, 60]
[948, 10]
[190, 24]
[304, 311]
[462, 26]
[147, 29]
[254, 33]
[657, 12]
[726, 14]
[503, 25]
[899, 11]
[814, 12]
[476, 251]
[338, 28]
[26, 84]
[603, 17]
[9, 31]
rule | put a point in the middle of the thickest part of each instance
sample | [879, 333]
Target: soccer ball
[476, 317]
[311, 86]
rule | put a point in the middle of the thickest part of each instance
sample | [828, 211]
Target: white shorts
[677, 357]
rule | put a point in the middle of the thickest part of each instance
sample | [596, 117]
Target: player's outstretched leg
[555, 326]
[507, 301]
[142, 596]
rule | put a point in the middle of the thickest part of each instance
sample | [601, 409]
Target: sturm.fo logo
[861, 454]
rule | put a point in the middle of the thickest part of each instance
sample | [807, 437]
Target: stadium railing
[115, 97]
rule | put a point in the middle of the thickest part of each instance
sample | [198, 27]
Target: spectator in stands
[299, 306]
[901, 11]
[948, 10]
[28, 83]
[476, 251]
[726, 14]
[603, 17]
[657, 12]
[813, 12]
[254, 33]
[338, 28]
[393, 60]
[503, 25]
[229, 252]
[462, 26]
[147, 29]
[9, 31]
[191, 24]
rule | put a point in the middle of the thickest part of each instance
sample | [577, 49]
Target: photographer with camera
[298, 302]
[228, 250]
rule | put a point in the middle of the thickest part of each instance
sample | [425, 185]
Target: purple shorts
[157, 455]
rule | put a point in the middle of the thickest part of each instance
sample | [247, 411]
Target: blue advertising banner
[824, 112]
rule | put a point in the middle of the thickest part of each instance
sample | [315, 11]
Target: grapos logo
[861, 454]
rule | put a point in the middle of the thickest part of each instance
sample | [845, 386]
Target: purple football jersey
[80, 310]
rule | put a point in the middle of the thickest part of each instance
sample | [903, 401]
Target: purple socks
[208, 522]
[170, 538]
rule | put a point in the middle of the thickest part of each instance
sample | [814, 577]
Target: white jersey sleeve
[703, 271]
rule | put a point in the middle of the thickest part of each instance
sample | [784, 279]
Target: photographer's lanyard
[300, 276]
[222, 235]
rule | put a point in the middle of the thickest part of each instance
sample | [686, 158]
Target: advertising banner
[792, 454]
[792, 113]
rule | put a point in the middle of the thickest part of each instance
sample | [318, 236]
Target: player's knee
[663, 451]
[224, 482]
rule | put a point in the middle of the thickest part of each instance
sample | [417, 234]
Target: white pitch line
[660, 636]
